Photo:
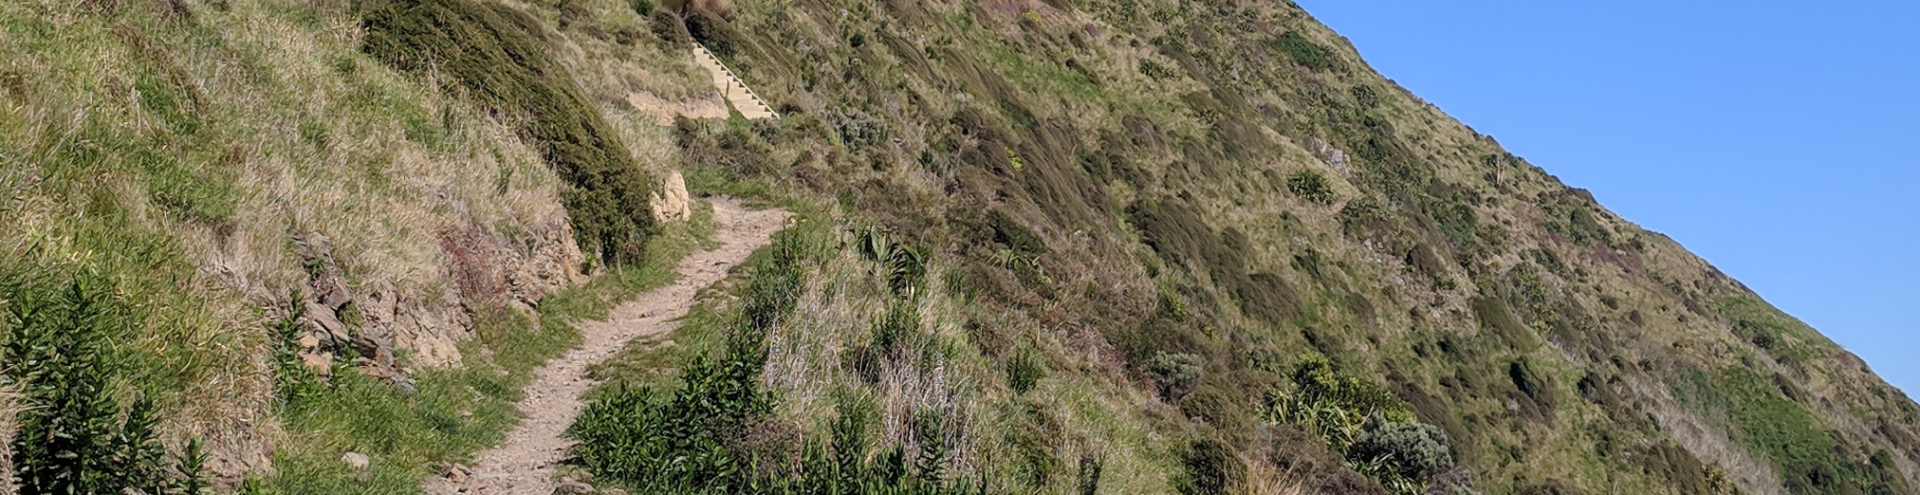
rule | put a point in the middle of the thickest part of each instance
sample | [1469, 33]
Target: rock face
[1334, 158]
[375, 321]
[672, 203]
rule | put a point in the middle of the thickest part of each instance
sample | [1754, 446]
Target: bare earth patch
[711, 107]
[524, 463]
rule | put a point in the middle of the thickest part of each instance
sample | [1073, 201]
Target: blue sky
[1779, 140]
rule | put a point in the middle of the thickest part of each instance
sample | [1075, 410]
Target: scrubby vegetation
[1378, 435]
[496, 56]
[1048, 247]
[74, 436]
[713, 433]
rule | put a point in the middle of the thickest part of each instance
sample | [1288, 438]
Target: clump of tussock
[499, 57]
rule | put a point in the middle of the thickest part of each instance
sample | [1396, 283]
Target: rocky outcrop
[1334, 158]
[374, 322]
[672, 203]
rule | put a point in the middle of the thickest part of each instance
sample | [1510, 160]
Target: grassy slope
[177, 148]
[1563, 348]
[1552, 339]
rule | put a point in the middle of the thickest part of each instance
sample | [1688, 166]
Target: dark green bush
[1410, 450]
[670, 29]
[497, 56]
[1312, 186]
[1177, 374]
[643, 7]
[714, 32]
[1304, 51]
[73, 436]
[1365, 95]
[1210, 468]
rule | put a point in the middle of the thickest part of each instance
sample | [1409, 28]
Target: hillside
[1066, 246]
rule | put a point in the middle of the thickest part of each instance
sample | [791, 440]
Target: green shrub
[1177, 374]
[1156, 70]
[1405, 449]
[1024, 371]
[1365, 95]
[1008, 231]
[1312, 186]
[1304, 52]
[906, 267]
[643, 7]
[73, 436]
[714, 32]
[1210, 468]
[1377, 433]
[497, 56]
[670, 29]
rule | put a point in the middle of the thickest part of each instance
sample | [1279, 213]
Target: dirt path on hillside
[524, 463]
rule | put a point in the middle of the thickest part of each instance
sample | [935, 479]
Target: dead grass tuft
[9, 409]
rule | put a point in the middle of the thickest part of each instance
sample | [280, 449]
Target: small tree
[1177, 374]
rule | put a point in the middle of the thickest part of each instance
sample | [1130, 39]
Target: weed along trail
[524, 463]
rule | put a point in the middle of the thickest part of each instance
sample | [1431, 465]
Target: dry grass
[1263, 478]
[951, 379]
[311, 137]
[9, 409]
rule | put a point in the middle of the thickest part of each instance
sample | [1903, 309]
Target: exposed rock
[356, 460]
[572, 487]
[1335, 159]
[324, 324]
[454, 472]
[320, 362]
[328, 284]
[672, 203]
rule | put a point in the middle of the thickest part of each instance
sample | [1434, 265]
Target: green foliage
[1157, 70]
[1304, 51]
[1210, 468]
[689, 440]
[1365, 95]
[1312, 186]
[1784, 431]
[714, 32]
[73, 436]
[496, 56]
[1376, 432]
[1015, 236]
[1177, 374]
[1024, 370]
[906, 267]
[1401, 450]
[1571, 215]
[668, 26]
[856, 129]
[633, 436]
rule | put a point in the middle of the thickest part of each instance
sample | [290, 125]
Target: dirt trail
[523, 464]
